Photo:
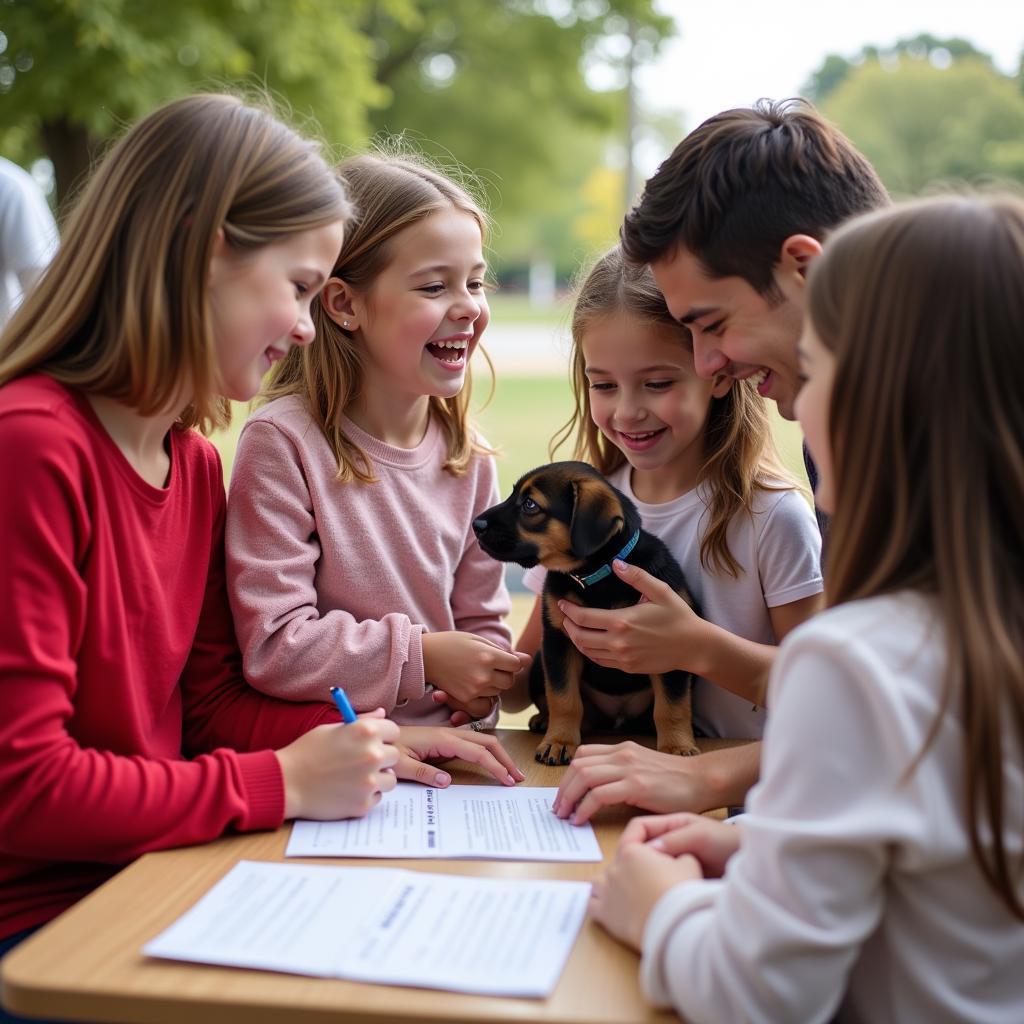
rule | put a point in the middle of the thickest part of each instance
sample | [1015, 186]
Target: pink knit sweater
[334, 584]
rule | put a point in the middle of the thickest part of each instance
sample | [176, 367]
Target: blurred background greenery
[536, 98]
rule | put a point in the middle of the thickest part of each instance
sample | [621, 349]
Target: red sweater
[118, 660]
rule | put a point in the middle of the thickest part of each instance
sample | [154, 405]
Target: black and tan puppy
[568, 518]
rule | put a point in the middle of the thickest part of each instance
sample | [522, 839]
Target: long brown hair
[923, 307]
[391, 192]
[122, 309]
[739, 453]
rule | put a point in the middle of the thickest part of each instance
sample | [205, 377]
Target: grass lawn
[520, 420]
[515, 308]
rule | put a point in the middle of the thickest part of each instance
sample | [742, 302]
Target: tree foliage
[74, 71]
[500, 87]
[835, 69]
[920, 124]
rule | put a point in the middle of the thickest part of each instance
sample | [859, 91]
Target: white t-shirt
[778, 548]
[851, 878]
[28, 235]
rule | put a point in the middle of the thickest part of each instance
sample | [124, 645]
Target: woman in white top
[878, 873]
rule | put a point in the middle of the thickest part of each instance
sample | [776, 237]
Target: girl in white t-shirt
[879, 873]
[697, 458]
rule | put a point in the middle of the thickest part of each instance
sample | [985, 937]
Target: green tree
[73, 71]
[920, 124]
[835, 69]
[503, 88]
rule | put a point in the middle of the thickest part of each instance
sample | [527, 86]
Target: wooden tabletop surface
[88, 965]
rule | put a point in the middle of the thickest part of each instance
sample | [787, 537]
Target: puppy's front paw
[683, 748]
[555, 749]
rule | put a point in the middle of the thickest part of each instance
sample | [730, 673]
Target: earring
[344, 323]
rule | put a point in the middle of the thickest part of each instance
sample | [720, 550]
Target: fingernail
[658, 844]
[554, 807]
[511, 781]
[572, 819]
[561, 606]
[442, 778]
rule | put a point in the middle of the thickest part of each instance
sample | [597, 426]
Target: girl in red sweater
[187, 269]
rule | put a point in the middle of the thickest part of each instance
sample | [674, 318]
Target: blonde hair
[923, 308]
[739, 453]
[391, 193]
[122, 310]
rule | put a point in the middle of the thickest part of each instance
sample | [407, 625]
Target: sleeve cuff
[412, 684]
[669, 911]
[263, 785]
[797, 592]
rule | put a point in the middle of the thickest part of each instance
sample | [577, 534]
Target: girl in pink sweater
[351, 555]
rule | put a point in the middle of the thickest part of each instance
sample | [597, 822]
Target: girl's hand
[654, 636]
[481, 707]
[466, 666]
[339, 771]
[627, 773]
[711, 842]
[623, 898]
[418, 744]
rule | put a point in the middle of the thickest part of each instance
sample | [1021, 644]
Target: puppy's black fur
[567, 517]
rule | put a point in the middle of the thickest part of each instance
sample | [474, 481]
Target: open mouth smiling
[451, 354]
[642, 439]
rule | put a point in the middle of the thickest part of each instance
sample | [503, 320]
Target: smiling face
[646, 398]
[423, 315]
[736, 330]
[259, 303]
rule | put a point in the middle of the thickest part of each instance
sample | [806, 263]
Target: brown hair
[924, 311]
[122, 310]
[739, 454]
[391, 193]
[742, 183]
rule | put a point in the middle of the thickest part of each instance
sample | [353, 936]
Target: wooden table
[87, 964]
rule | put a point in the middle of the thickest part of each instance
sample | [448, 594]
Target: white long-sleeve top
[854, 888]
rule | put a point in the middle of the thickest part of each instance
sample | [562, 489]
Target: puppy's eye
[530, 507]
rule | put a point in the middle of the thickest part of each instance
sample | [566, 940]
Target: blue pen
[341, 702]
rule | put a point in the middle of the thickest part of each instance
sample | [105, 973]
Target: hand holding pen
[340, 771]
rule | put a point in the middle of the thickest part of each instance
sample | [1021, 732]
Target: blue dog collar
[606, 569]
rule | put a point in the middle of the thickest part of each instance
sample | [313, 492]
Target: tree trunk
[70, 146]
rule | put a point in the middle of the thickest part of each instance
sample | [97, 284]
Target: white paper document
[467, 822]
[384, 925]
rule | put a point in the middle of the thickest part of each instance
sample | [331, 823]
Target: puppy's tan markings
[554, 613]
[565, 716]
[673, 720]
[554, 548]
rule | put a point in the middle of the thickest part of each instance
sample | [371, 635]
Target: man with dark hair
[729, 224]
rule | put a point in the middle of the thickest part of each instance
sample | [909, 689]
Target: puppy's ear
[596, 516]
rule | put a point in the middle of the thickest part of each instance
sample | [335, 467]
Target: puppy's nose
[480, 525]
